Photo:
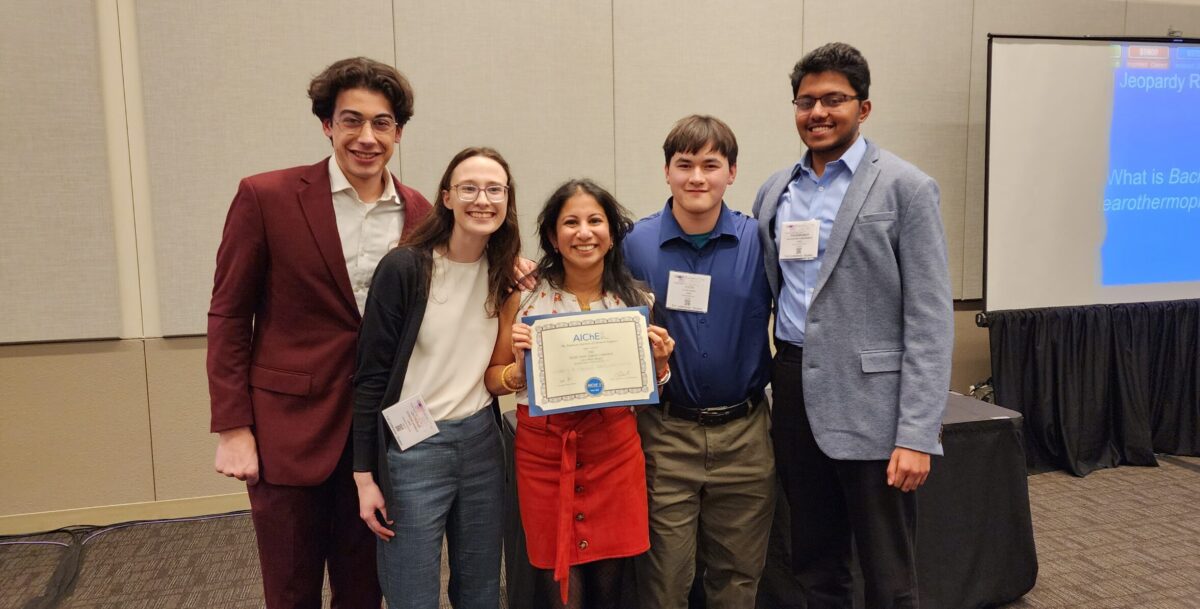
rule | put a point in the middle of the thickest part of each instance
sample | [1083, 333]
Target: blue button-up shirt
[809, 197]
[721, 357]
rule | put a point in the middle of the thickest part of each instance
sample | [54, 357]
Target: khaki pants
[712, 498]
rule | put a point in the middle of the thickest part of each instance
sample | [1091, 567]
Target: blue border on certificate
[535, 410]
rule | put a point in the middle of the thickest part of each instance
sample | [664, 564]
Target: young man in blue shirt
[710, 469]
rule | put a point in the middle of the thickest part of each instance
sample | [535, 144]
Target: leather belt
[715, 415]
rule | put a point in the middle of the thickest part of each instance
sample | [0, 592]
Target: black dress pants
[834, 503]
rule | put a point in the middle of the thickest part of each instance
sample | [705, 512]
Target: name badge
[410, 421]
[688, 292]
[799, 240]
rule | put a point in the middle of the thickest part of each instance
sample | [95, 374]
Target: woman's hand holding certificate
[595, 359]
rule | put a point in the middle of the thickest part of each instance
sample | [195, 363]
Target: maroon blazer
[283, 322]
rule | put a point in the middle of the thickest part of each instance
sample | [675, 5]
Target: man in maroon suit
[295, 261]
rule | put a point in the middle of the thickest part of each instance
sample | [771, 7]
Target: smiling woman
[426, 341]
[478, 195]
[581, 476]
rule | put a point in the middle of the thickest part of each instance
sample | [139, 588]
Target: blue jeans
[451, 484]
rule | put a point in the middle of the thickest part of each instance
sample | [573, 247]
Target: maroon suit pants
[303, 529]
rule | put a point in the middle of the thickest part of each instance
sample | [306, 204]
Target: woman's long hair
[616, 279]
[503, 246]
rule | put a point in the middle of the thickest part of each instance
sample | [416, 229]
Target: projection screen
[1092, 172]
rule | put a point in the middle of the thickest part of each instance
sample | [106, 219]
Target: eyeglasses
[467, 193]
[828, 101]
[384, 125]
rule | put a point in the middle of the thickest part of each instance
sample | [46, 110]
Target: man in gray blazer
[856, 257]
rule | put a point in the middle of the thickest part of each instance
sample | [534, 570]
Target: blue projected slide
[1152, 199]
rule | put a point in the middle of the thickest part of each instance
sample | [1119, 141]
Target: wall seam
[396, 64]
[150, 420]
[129, 157]
[139, 169]
[962, 229]
[120, 177]
[142, 339]
[612, 36]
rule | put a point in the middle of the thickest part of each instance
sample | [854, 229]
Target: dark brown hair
[691, 134]
[503, 246]
[617, 278]
[361, 73]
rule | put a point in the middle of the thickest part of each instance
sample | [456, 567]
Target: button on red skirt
[581, 483]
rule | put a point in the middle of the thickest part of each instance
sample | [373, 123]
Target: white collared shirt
[368, 230]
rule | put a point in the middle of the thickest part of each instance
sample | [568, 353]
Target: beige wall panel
[533, 80]
[678, 58]
[183, 447]
[113, 514]
[920, 56]
[75, 431]
[972, 361]
[1024, 17]
[224, 86]
[1158, 18]
[57, 254]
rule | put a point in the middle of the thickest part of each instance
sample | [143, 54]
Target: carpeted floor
[1126, 537]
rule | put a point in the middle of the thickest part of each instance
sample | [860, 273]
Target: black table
[975, 536]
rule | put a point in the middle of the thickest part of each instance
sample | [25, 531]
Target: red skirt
[581, 482]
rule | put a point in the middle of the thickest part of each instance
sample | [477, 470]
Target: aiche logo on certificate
[592, 359]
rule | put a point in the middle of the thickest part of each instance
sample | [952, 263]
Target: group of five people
[340, 292]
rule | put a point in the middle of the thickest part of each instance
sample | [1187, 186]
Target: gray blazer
[880, 325]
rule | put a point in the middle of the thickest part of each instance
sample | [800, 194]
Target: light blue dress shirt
[809, 197]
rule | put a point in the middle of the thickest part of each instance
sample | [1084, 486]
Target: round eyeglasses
[467, 193]
[384, 125]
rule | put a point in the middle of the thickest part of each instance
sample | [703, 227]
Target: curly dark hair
[835, 57]
[503, 247]
[617, 278]
[361, 73]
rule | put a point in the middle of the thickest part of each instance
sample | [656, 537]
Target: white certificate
[593, 359]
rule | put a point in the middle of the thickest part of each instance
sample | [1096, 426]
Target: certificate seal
[595, 385]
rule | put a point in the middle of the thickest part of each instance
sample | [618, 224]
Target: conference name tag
[410, 421]
[688, 292]
[799, 240]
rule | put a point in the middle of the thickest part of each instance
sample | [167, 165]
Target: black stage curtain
[1101, 385]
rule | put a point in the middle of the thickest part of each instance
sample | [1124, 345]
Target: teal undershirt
[699, 240]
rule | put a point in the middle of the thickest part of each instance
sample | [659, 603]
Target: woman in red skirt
[581, 476]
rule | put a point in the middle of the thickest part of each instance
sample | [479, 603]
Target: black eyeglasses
[828, 101]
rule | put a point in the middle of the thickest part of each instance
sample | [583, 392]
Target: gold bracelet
[664, 378]
[504, 380]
